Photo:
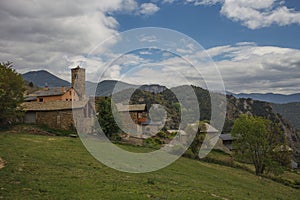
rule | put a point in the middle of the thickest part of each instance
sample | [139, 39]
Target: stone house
[59, 114]
[132, 117]
[183, 137]
[138, 112]
[227, 141]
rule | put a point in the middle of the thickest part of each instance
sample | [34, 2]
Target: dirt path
[2, 163]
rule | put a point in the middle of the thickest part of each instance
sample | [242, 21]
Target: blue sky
[206, 25]
[254, 43]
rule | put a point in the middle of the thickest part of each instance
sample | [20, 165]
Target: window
[41, 99]
[70, 92]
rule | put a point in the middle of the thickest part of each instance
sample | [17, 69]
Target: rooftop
[210, 128]
[226, 137]
[131, 108]
[55, 91]
[53, 105]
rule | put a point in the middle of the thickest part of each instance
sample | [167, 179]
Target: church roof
[53, 105]
[55, 91]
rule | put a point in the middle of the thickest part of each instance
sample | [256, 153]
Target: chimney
[46, 87]
[63, 90]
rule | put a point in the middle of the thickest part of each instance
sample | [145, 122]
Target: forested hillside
[289, 111]
[234, 107]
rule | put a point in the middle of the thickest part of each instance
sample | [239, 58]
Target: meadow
[52, 167]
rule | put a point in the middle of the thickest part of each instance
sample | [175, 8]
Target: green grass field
[49, 167]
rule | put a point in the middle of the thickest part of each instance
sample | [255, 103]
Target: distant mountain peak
[41, 77]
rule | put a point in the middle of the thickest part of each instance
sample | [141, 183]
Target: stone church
[56, 107]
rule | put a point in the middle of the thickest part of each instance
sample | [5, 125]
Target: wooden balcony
[141, 120]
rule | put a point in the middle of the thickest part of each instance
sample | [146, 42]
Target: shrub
[189, 154]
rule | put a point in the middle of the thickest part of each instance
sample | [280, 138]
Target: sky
[254, 44]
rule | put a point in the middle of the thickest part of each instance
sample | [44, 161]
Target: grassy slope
[44, 167]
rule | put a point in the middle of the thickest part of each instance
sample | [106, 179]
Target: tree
[258, 141]
[11, 93]
[30, 84]
[106, 118]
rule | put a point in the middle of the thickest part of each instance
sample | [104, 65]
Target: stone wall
[56, 119]
[63, 119]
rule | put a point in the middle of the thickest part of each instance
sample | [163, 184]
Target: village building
[135, 121]
[184, 137]
[56, 107]
[227, 141]
[138, 112]
[132, 117]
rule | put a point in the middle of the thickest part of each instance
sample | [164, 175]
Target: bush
[162, 134]
[115, 138]
[189, 154]
[152, 143]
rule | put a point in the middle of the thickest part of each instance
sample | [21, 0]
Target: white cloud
[147, 38]
[245, 67]
[148, 9]
[205, 2]
[130, 60]
[113, 73]
[251, 68]
[52, 34]
[253, 14]
[257, 14]
[145, 53]
[168, 1]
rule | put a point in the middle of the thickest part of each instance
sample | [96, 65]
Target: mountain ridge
[41, 77]
[270, 97]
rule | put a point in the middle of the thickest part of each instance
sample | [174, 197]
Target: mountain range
[103, 88]
[270, 97]
[283, 104]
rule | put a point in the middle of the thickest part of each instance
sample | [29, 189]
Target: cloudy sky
[255, 44]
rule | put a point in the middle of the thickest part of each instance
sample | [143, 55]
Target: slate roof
[30, 98]
[55, 91]
[210, 128]
[53, 105]
[226, 137]
[131, 108]
[50, 92]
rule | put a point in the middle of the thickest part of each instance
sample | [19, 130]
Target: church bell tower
[78, 81]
